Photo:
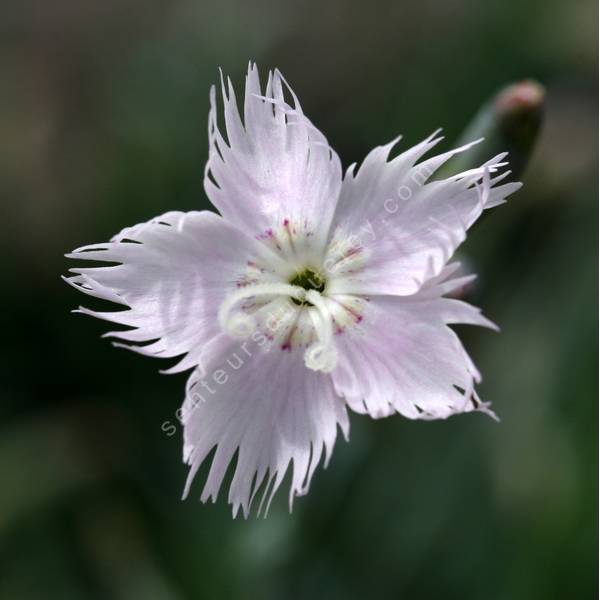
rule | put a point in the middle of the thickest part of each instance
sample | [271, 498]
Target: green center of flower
[309, 279]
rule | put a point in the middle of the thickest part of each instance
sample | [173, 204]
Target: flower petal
[404, 358]
[262, 404]
[173, 273]
[408, 225]
[274, 166]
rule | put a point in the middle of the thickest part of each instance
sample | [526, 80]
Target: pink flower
[312, 293]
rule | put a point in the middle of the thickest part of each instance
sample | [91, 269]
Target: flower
[312, 293]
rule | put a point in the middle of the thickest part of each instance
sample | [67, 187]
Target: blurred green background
[103, 121]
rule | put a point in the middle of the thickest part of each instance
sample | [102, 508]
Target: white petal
[431, 304]
[270, 410]
[403, 357]
[173, 273]
[409, 225]
[274, 166]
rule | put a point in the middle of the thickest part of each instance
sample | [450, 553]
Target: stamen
[321, 355]
[241, 324]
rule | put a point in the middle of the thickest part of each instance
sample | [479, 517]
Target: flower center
[309, 279]
[287, 294]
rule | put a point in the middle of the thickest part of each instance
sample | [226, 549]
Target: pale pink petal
[407, 223]
[263, 404]
[404, 358]
[172, 273]
[275, 166]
